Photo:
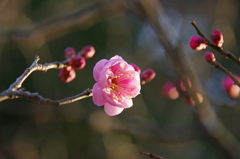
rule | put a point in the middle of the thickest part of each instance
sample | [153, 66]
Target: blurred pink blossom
[117, 83]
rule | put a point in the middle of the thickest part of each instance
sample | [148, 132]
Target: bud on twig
[69, 52]
[147, 75]
[77, 62]
[209, 56]
[88, 51]
[198, 43]
[67, 74]
[217, 38]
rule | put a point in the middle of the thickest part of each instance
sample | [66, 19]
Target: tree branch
[225, 53]
[16, 91]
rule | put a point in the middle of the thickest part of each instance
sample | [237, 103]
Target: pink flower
[116, 84]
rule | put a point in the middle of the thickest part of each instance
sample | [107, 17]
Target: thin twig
[225, 53]
[223, 69]
[151, 155]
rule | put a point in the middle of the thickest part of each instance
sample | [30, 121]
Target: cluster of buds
[199, 43]
[75, 61]
[173, 91]
[229, 86]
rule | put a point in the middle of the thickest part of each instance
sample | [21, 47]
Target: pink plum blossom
[117, 83]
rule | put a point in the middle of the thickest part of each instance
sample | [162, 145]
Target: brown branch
[16, 91]
[151, 155]
[225, 53]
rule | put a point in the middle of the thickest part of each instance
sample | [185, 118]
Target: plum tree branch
[225, 53]
[16, 91]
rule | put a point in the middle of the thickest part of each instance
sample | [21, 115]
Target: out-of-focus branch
[207, 117]
[151, 155]
[64, 23]
[16, 91]
[225, 53]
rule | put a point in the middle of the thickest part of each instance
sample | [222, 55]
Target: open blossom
[117, 83]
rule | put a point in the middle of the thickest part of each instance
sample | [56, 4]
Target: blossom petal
[98, 68]
[116, 57]
[112, 110]
[97, 95]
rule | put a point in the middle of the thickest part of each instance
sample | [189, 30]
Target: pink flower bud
[88, 51]
[67, 74]
[77, 62]
[209, 56]
[69, 52]
[136, 68]
[233, 91]
[198, 43]
[217, 38]
[182, 87]
[170, 90]
[147, 75]
[227, 82]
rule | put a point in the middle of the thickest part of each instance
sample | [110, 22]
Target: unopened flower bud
[136, 68]
[182, 87]
[198, 43]
[227, 81]
[234, 91]
[170, 90]
[217, 38]
[147, 75]
[88, 51]
[67, 74]
[77, 62]
[209, 56]
[69, 52]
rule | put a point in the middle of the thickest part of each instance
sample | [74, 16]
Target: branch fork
[15, 90]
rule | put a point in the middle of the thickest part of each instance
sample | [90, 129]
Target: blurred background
[154, 124]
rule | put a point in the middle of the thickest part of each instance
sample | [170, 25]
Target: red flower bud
[69, 52]
[136, 68]
[170, 90]
[88, 51]
[147, 75]
[217, 38]
[77, 62]
[198, 43]
[209, 56]
[67, 74]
